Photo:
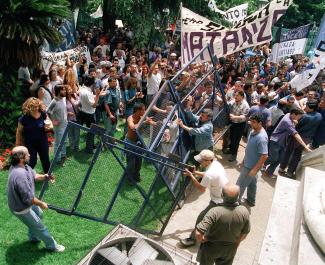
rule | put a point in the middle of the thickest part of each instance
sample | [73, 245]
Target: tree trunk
[109, 16]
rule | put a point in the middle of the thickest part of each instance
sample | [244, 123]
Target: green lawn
[79, 235]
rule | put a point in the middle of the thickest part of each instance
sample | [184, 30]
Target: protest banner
[198, 31]
[290, 43]
[98, 13]
[67, 30]
[232, 14]
[307, 77]
[48, 58]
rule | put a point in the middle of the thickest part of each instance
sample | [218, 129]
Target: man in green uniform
[222, 229]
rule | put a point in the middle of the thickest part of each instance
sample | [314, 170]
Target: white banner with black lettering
[290, 43]
[307, 77]
[48, 58]
[232, 14]
[198, 31]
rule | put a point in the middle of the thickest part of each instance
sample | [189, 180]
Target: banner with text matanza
[198, 31]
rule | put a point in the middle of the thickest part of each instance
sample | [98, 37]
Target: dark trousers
[201, 216]
[276, 153]
[133, 162]
[42, 149]
[236, 133]
[88, 119]
[292, 154]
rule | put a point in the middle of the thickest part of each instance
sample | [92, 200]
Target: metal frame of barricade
[107, 140]
[161, 164]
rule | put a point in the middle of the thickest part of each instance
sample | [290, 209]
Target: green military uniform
[222, 226]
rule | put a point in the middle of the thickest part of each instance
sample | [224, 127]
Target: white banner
[236, 13]
[98, 13]
[290, 43]
[233, 14]
[48, 58]
[307, 77]
[198, 31]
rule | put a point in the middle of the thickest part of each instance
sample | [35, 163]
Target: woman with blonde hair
[70, 79]
[31, 132]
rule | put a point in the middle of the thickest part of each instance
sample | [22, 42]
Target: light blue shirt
[256, 146]
[203, 133]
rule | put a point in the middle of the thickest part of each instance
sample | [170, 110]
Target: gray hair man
[22, 201]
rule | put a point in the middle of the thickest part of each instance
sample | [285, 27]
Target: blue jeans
[244, 181]
[276, 154]
[36, 229]
[58, 134]
[74, 136]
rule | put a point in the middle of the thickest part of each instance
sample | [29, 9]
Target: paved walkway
[183, 220]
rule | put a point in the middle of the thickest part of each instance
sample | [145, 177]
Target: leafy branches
[24, 26]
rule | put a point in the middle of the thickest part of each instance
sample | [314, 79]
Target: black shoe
[232, 158]
[187, 242]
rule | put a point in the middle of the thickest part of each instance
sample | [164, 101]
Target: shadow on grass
[24, 253]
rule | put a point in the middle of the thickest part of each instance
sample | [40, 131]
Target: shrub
[11, 100]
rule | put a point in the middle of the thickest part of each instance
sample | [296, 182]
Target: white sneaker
[59, 248]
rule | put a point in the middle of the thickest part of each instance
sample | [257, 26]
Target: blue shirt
[308, 124]
[203, 133]
[34, 129]
[256, 146]
[266, 113]
[285, 128]
[319, 138]
[21, 188]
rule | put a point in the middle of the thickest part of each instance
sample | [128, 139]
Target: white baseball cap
[204, 155]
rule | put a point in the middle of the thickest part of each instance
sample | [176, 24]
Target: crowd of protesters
[121, 75]
[121, 80]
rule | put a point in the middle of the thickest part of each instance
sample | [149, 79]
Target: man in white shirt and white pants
[214, 179]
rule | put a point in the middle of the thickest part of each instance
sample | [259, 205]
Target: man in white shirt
[88, 106]
[214, 179]
[153, 82]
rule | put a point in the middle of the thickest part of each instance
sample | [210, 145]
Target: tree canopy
[24, 25]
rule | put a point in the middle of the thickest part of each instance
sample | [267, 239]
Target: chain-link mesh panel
[161, 111]
[95, 185]
[103, 180]
[160, 200]
[69, 177]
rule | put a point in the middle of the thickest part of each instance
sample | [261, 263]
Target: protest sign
[290, 43]
[198, 31]
[48, 58]
[307, 77]
[233, 14]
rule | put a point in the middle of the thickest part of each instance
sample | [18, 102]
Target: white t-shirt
[153, 83]
[215, 179]
[87, 99]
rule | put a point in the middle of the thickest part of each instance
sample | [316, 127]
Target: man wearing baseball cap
[214, 178]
